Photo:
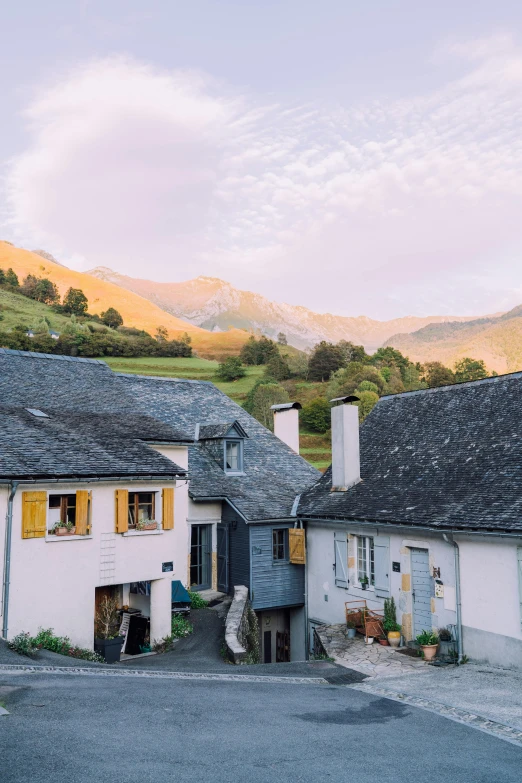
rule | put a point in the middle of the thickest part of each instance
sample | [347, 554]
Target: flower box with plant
[429, 643]
[63, 529]
[146, 524]
[107, 643]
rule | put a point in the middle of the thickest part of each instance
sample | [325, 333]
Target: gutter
[457, 594]
[94, 479]
[7, 559]
[397, 525]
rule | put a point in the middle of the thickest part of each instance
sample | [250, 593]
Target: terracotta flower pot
[429, 651]
[394, 638]
[384, 642]
[60, 531]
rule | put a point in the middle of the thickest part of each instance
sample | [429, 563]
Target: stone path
[374, 660]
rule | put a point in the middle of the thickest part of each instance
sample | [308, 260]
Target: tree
[2, 277]
[347, 380]
[75, 302]
[262, 397]
[12, 278]
[316, 415]
[231, 369]
[470, 370]
[282, 339]
[248, 353]
[436, 374]
[367, 400]
[277, 368]
[326, 358]
[161, 333]
[367, 386]
[258, 351]
[112, 318]
[352, 352]
[40, 289]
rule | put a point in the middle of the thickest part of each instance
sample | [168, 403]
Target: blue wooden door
[222, 558]
[421, 590]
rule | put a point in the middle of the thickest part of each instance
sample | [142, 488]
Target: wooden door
[421, 585]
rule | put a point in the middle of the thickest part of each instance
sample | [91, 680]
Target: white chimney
[346, 467]
[286, 423]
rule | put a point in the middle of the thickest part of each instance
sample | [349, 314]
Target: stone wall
[237, 625]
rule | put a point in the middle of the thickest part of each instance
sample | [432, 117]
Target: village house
[239, 526]
[427, 509]
[88, 504]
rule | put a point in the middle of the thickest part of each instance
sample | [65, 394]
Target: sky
[353, 158]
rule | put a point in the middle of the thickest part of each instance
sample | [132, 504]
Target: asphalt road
[81, 729]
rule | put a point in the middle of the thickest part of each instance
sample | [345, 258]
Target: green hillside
[17, 309]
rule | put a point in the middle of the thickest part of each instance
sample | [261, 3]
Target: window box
[64, 531]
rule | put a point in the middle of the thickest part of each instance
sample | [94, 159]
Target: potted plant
[107, 643]
[350, 630]
[390, 624]
[447, 644]
[364, 582]
[384, 641]
[146, 524]
[63, 529]
[429, 643]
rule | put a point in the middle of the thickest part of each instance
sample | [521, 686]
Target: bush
[180, 626]
[316, 415]
[277, 368]
[23, 644]
[231, 369]
[196, 601]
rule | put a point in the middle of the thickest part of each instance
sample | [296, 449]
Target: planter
[429, 651]
[394, 638]
[350, 633]
[150, 526]
[384, 642]
[369, 640]
[62, 531]
[109, 649]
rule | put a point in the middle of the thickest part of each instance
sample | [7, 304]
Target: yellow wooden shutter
[167, 497]
[296, 541]
[34, 514]
[122, 510]
[83, 498]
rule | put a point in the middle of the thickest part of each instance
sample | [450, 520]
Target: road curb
[475, 721]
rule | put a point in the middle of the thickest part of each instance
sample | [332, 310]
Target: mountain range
[216, 305]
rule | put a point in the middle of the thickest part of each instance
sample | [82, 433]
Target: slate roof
[66, 444]
[448, 458]
[274, 473]
[217, 431]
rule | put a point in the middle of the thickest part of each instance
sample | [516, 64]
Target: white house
[90, 505]
[431, 514]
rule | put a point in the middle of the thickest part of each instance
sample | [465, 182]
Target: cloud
[383, 207]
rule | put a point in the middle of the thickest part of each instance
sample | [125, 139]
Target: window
[62, 511]
[280, 544]
[233, 456]
[365, 560]
[141, 509]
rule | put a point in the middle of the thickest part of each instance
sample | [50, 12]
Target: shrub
[277, 368]
[180, 626]
[316, 415]
[427, 637]
[23, 644]
[231, 369]
[196, 601]
[111, 317]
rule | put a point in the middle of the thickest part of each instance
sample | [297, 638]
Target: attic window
[233, 456]
[38, 413]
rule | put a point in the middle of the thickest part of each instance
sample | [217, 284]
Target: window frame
[233, 471]
[65, 506]
[134, 506]
[367, 559]
[285, 544]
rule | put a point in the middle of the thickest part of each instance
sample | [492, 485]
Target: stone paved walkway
[373, 660]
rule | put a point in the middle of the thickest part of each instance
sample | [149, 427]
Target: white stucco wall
[326, 601]
[53, 579]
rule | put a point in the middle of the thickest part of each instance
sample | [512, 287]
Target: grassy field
[314, 447]
[17, 309]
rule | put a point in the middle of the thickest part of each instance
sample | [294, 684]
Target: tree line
[85, 334]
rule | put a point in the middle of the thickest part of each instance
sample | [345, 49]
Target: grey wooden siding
[238, 549]
[273, 584]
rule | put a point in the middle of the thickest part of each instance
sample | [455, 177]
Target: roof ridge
[57, 356]
[160, 378]
[451, 386]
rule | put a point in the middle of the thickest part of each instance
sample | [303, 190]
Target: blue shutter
[381, 553]
[341, 560]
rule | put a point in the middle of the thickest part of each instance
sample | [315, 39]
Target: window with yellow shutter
[296, 540]
[34, 514]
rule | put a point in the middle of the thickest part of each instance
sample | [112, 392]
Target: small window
[141, 509]
[233, 456]
[365, 561]
[62, 512]
[280, 544]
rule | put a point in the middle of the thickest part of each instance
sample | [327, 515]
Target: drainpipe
[457, 594]
[7, 557]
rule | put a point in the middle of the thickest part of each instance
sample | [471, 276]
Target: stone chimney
[286, 423]
[346, 467]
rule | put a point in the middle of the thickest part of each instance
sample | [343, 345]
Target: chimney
[346, 468]
[286, 423]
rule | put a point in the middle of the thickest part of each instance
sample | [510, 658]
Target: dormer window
[233, 456]
[225, 442]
